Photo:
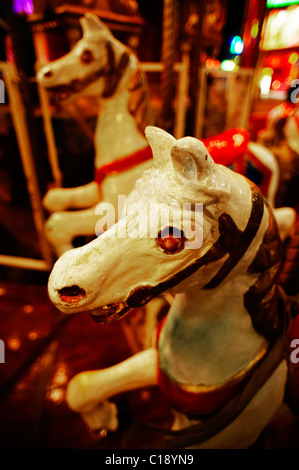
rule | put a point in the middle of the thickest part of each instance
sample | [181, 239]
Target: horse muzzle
[72, 295]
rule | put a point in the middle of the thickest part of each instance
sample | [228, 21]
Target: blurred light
[212, 64]
[23, 6]
[32, 335]
[254, 29]
[237, 45]
[275, 61]
[267, 71]
[28, 7]
[13, 343]
[276, 84]
[60, 377]
[265, 84]
[2, 291]
[280, 3]
[238, 140]
[27, 309]
[229, 66]
[293, 57]
[56, 395]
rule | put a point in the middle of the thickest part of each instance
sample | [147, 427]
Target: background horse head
[100, 66]
[225, 311]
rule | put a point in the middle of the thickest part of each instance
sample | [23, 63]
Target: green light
[228, 65]
[280, 3]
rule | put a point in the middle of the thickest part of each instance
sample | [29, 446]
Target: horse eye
[86, 57]
[171, 240]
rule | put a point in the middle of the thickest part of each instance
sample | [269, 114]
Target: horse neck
[196, 298]
[209, 336]
[117, 133]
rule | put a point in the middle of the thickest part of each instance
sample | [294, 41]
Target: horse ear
[161, 143]
[191, 159]
[92, 26]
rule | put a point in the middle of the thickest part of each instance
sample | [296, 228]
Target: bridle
[111, 72]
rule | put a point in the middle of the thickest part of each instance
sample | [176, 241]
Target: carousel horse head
[191, 226]
[95, 67]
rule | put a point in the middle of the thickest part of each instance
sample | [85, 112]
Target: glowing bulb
[293, 57]
[237, 45]
[228, 65]
[265, 84]
[254, 29]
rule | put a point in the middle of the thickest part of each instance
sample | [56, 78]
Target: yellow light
[267, 71]
[254, 29]
[293, 58]
[56, 395]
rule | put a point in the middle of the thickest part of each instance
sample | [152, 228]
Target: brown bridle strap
[231, 240]
[111, 71]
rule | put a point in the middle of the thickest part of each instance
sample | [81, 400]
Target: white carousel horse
[221, 270]
[99, 66]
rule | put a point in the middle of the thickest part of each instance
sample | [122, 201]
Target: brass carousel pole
[26, 125]
[168, 60]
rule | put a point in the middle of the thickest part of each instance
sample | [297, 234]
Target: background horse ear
[191, 159]
[92, 26]
[161, 143]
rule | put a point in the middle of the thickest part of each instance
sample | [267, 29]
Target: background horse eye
[86, 57]
[171, 240]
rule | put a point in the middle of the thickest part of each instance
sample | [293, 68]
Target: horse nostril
[48, 74]
[71, 295]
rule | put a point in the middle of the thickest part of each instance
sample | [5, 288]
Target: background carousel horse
[222, 338]
[281, 137]
[99, 66]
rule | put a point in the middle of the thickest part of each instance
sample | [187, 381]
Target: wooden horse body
[222, 270]
[102, 67]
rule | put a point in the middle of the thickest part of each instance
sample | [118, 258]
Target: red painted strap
[199, 404]
[228, 147]
[193, 404]
[123, 164]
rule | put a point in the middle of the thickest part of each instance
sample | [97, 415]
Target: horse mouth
[139, 296]
[110, 312]
[60, 93]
